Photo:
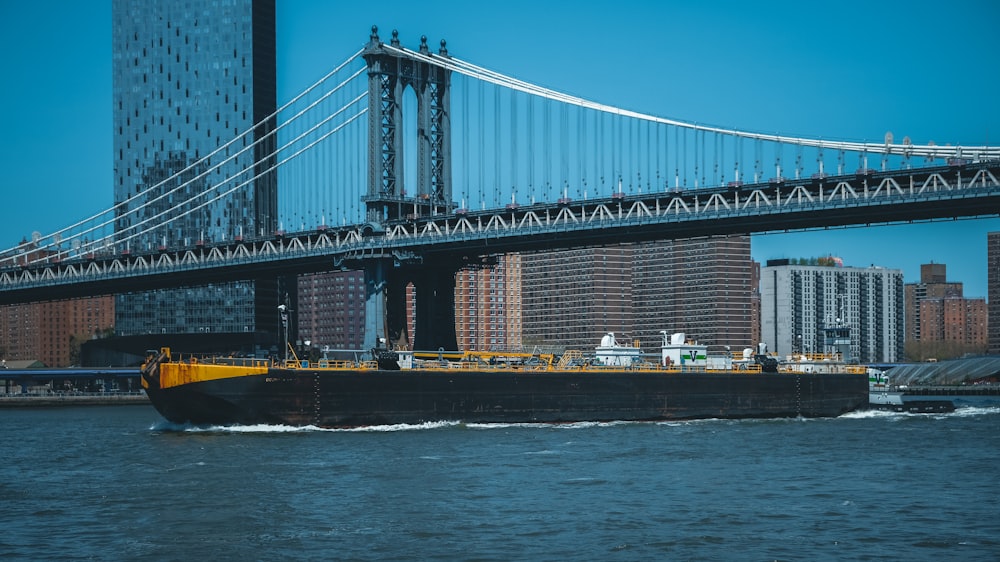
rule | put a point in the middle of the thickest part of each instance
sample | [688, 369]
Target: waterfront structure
[188, 77]
[488, 306]
[993, 291]
[940, 321]
[799, 302]
[52, 331]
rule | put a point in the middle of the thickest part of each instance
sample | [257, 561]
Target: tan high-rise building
[571, 298]
[700, 287]
[933, 285]
[52, 332]
[755, 303]
[488, 306]
[940, 322]
[954, 320]
[331, 311]
[993, 291]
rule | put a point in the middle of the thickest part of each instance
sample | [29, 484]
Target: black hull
[364, 398]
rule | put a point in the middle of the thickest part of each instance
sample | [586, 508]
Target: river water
[119, 483]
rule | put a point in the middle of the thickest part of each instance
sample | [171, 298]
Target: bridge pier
[375, 301]
[434, 283]
[385, 303]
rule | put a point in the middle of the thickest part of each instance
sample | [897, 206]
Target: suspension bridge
[412, 164]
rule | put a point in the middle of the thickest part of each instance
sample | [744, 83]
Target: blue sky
[850, 70]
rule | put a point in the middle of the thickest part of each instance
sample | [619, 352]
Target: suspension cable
[469, 69]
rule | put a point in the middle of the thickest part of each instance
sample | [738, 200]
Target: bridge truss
[874, 198]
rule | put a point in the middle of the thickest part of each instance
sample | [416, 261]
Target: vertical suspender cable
[613, 143]
[631, 161]
[697, 157]
[778, 148]
[620, 166]
[481, 111]
[465, 137]
[686, 164]
[513, 140]
[581, 133]
[739, 161]
[798, 160]
[547, 142]
[704, 167]
[677, 158]
[659, 167]
[652, 166]
[496, 136]
[718, 157]
[756, 163]
[563, 148]
[531, 142]
[599, 152]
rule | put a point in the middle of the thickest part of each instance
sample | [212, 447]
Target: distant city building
[331, 311]
[700, 287]
[940, 322]
[798, 302]
[189, 77]
[755, 304]
[488, 306]
[571, 298]
[993, 291]
[52, 332]
[954, 319]
[933, 285]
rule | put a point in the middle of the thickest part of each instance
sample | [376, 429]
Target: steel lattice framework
[390, 71]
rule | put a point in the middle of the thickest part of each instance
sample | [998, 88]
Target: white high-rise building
[799, 303]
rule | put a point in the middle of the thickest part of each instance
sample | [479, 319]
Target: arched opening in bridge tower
[408, 110]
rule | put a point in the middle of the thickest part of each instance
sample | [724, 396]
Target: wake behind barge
[616, 384]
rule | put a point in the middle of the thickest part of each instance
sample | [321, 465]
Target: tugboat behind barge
[616, 383]
[882, 396]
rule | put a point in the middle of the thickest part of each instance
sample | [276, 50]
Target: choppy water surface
[118, 483]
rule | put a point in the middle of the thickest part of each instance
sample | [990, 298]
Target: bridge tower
[390, 72]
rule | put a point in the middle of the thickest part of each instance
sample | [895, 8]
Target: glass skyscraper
[194, 99]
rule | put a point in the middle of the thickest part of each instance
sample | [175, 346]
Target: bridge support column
[385, 305]
[375, 273]
[396, 329]
[434, 283]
